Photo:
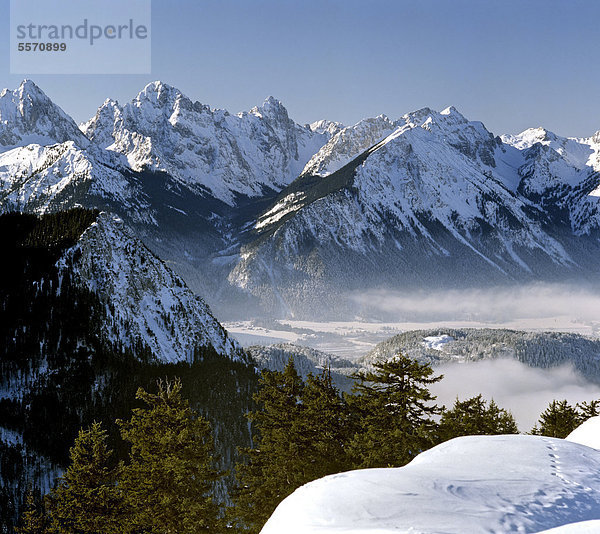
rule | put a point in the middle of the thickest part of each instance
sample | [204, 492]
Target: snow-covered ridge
[144, 299]
[39, 179]
[407, 199]
[580, 152]
[287, 205]
[347, 143]
[474, 484]
[324, 126]
[28, 116]
[207, 149]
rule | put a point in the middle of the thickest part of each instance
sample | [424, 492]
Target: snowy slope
[323, 126]
[581, 527]
[439, 200]
[472, 484]
[28, 116]
[578, 151]
[40, 179]
[209, 150]
[293, 217]
[588, 433]
[346, 144]
[144, 299]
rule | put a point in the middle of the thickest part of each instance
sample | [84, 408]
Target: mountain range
[261, 215]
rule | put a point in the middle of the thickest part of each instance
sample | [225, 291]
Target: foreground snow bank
[588, 434]
[470, 484]
[584, 527]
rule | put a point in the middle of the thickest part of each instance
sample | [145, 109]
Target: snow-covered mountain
[471, 484]
[254, 208]
[42, 179]
[28, 116]
[88, 315]
[324, 126]
[347, 143]
[185, 177]
[579, 152]
[208, 150]
[144, 299]
[438, 201]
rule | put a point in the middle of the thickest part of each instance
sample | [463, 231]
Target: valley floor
[352, 339]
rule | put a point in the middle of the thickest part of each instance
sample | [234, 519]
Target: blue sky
[511, 64]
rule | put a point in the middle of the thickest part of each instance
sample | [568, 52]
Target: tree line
[304, 430]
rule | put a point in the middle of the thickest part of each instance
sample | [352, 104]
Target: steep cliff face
[255, 209]
[144, 299]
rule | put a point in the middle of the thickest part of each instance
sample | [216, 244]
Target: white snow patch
[472, 484]
[587, 434]
[437, 342]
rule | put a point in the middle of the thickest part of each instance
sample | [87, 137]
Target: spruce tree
[87, 499]
[557, 421]
[473, 417]
[326, 428]
[588, 409]
[33, 519]
[169, 479]
[270, 472]
[393, 409]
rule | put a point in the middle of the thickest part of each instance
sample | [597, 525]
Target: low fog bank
[580, 304]
[523, 390]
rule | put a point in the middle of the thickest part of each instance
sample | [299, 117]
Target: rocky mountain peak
[28, 116]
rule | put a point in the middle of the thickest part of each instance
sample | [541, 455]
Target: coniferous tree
[557, 421]
[33, 519]
[168, 481]
[474, 417]
[87, 499]
[588, 409]
[326, 427]
[393, 408]
[271, 472]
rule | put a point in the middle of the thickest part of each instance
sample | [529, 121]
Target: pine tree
[326, 428]
[33, 519]
[557, 421]
[393, 409]
[473, 417]
[588, 409]
[270, 472]
[168, 482]
[87, 499]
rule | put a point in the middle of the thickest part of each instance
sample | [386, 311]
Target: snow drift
[471, 484]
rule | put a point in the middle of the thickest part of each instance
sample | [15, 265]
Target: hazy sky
[511, 63]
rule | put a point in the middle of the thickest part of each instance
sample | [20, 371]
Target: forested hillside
[536, 349]
[59, 370]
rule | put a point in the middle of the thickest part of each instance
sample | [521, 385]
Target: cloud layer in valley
[523, 390]
[549, 303]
